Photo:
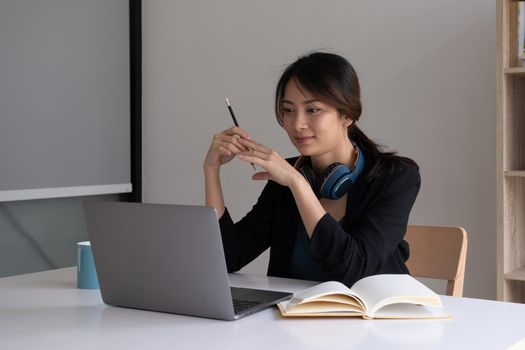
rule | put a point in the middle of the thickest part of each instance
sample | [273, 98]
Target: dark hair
[332, 79]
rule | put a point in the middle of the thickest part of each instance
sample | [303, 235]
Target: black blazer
[369, 242]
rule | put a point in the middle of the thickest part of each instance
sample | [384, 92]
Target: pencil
[236, 123]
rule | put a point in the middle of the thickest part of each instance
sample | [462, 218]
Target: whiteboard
[64, 98]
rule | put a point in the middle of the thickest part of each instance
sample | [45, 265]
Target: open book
[379, 296]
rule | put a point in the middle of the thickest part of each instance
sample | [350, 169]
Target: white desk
[46, 311]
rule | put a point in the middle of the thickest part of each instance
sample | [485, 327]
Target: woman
[337, 212]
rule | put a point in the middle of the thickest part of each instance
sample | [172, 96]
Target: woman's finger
[231, 147]
[254, 145]
[233, 139]
[256, 154]
[262, 175]
[235, 130]
[224, 151]
[252, 159]
[236, 141]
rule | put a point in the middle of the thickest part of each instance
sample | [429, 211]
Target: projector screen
[64, 98]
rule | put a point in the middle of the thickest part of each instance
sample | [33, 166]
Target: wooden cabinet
[510, 146]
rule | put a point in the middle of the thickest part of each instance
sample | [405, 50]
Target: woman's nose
[300, 121]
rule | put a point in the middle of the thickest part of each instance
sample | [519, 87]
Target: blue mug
[86, 272]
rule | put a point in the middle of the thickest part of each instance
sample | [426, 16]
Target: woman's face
[315, 128]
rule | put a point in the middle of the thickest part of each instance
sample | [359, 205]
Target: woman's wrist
[310, 208]
[298, 183]
[208, 169]
[213, 190]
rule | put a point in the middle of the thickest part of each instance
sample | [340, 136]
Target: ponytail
[380, 160]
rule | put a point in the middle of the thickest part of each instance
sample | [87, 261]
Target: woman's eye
[313, 110]
[287, 110]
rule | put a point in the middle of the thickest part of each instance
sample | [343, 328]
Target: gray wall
[427, 70]
[39, 235]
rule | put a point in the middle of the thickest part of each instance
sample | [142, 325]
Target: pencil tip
[227, 102]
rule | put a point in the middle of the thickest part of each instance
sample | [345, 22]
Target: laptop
[167, 258]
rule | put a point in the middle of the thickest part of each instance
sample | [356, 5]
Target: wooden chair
[438, 252]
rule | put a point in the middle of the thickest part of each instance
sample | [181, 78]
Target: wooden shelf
[515, 173]
[515, 71]
[516, 275]
[510, 149]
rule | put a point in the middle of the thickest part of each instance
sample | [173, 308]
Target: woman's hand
[224, 146]
[280, 171]
[277, 168]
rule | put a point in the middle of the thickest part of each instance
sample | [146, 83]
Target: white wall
[427, 71]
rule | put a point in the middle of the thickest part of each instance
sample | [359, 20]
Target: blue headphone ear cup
[336, 181]
[328, 170]
[309, 175]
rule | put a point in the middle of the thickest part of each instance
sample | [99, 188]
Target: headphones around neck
[336, 180]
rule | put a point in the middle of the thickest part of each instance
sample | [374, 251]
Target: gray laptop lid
[161, 257]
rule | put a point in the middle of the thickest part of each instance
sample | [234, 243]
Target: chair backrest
[438, 252]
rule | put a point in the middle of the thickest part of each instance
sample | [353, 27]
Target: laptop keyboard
[240, 305]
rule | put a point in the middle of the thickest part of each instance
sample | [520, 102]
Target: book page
[382, 290]
[318, 311]
[329, 292]
[411, 311]
[337, 298]
[319, 290]
[322, 307]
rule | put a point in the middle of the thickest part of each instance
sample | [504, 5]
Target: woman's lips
[304, 139]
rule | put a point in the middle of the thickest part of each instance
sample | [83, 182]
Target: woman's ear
[347, 120]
